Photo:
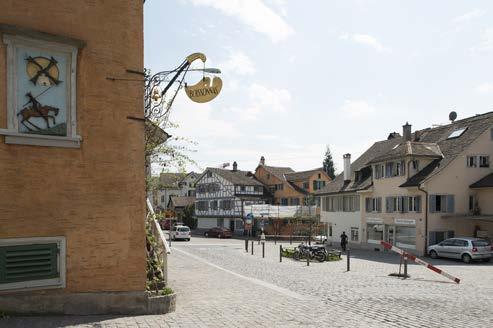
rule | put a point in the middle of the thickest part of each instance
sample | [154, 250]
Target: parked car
[167, 223]
[465, 248]
[180, 232]
[320, 239]
[218, 232]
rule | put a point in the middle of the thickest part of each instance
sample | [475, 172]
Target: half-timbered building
[221, 196]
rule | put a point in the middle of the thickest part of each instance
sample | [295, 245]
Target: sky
[301, 75]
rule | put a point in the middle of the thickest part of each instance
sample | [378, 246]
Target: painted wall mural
[42, 91]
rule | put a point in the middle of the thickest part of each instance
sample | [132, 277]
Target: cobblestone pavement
[220, 285]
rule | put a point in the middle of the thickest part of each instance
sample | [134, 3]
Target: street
[220, 285]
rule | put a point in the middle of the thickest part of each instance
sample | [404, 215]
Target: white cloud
[469, 16]
[196, 120]
[485, 88]
[238, 63]
[253, 13]
[262, 100]
[366, 40]
[357, 109]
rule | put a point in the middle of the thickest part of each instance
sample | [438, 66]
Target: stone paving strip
[220, 285]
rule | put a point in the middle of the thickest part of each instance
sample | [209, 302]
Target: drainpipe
[426, 218]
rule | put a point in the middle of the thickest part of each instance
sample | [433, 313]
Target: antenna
[452, 116]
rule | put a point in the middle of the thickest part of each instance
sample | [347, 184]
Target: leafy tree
[188, 217]
[328, 164]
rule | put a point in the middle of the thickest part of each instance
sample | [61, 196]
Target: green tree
[328, 164]
[188, 216]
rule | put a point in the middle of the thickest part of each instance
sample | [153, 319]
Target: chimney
[406, 131]
[347, 167]
[235, 166]
[262, 160]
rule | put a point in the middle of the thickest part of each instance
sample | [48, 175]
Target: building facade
[221, 196]
[173, 184]
[421, 188]
[72, 184]
[289, 187]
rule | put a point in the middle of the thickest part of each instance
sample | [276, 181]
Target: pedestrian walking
[343, 241]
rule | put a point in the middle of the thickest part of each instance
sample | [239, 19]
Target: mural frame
[12, 134]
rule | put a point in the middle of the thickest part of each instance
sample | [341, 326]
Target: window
[405, 236]
[202, 205]
[284, 201]
[330, 230]
[484, 161]
[319, 176]
[374, 231]
[162, 199]
[259, 189]
[456, 133]
[32, 262]
[414, 204]
[415, 164]
[318, 184]
[354, 234]
[472, 161]
[41, 89]
[295, 201]
[268, 176]
[373, 204]
[213, 205]
[442, 203]
[209, 174]
[227, 204]
[306, 185]
[242, 188]
[379, 171]
[349, 203]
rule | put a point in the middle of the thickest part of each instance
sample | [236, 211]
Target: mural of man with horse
[37, 110]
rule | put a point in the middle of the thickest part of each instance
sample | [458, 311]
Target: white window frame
[59, 282]
[12, 134]
[487, 161]
[356, 230]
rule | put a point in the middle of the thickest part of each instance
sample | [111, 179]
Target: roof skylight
[456, 133]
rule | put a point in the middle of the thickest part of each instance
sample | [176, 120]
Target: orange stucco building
[71, 188]
[290, 187]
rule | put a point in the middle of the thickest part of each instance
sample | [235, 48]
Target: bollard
[280, 253]
[252, 247]
[348, 255]
[307, 259]
[246, 245]
[263, 250]
[405, 267]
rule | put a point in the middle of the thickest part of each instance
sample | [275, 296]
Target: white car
[181, 232]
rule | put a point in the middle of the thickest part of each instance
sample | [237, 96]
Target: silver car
[465, 248]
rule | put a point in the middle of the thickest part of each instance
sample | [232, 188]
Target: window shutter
[405, 204]
[433, 203]
[367, 204]
[450, 204]
[387, 204]
[379, 204]
[403, 167]
[450, 234]
[28, 262]
[417, 199]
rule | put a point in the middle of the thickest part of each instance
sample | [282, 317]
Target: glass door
[389, 234]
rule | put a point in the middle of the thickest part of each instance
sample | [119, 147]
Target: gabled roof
[426, 142]
[297, 188]
[170, 180]
[301, 175]
[182, 201]
[339, 185]
[278, 171]
[486, 182]
[236, 177]
[410, 148]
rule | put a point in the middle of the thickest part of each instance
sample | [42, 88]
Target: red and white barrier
[418, 260]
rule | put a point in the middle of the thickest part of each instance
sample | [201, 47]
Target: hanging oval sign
[204, 90]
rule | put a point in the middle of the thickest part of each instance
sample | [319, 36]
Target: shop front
[398, 232]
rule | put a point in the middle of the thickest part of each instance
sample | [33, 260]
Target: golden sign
[204, 91]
